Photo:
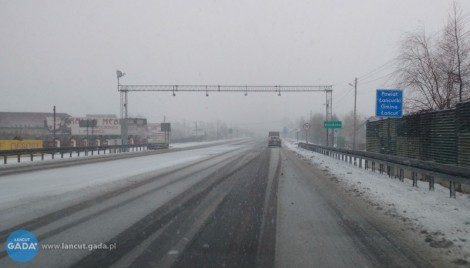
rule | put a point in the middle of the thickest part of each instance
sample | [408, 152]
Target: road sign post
[306, 128]
[333, 124]
[389, 103]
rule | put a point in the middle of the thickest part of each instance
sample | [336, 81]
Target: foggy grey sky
[66, 53]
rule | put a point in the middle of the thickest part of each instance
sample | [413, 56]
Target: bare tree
[455, 47]
[420, 71]
[348, 129]
[317, 131]
[435, 69]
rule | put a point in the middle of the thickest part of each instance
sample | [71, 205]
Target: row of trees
[436, 68]
[342, 137]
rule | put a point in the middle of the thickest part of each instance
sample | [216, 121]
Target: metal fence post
[414, 177]
[452, 189]
[430, 179]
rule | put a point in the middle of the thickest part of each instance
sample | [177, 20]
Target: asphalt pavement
[247, 206]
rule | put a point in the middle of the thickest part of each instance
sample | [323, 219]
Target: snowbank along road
[239, 204]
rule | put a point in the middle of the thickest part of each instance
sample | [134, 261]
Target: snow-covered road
[19, 189]
[38, 159]
[88, 200]
[443, 222]
[237, 204]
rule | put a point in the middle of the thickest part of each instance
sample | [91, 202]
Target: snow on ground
[443, 221]
[197, 143]
[24, 187]
[26, 159]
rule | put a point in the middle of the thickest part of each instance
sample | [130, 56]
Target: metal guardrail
[70, 150]
[395, 166]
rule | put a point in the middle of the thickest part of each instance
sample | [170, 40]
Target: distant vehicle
[158, 138]
[274, 134]
[160, 143]
[274, 139]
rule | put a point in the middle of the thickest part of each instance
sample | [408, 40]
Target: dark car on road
[274, 141]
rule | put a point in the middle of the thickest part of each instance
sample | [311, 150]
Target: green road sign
[333, 124]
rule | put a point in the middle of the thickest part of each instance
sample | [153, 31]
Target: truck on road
[157, 139]
[274, 139]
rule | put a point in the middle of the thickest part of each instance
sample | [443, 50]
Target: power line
[377, 70]
[342, 98]
[389, 82]
[373, 80]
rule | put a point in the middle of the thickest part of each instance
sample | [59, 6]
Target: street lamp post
[123, 108]
[87, 140]
[54, 129]
[355, 95]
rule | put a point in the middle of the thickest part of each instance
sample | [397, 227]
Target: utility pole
[326, 119]
[53, 133]
[124, 108]
[355, 97]
[92, 131]
[331, 118]
[87, 125]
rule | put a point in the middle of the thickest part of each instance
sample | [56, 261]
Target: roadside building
[69, 131]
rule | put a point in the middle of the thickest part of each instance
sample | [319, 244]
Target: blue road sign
[389, 103]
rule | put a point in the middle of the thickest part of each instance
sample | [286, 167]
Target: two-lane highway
[239, 204]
